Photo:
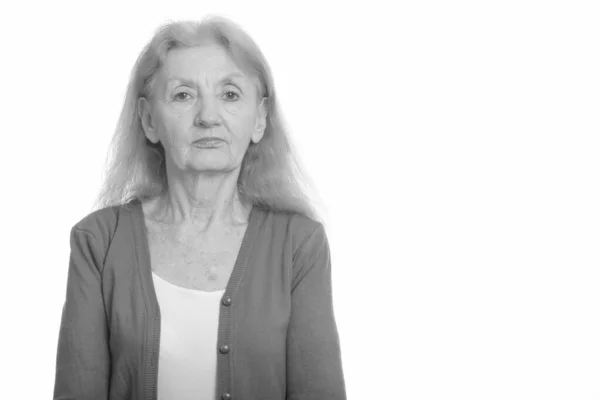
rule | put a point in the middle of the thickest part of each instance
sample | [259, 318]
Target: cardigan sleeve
[83, 359]
[314, 366]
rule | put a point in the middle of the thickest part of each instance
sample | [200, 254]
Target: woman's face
[200, 92]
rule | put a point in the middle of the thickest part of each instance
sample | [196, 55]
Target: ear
[144, 110]
[261, 120]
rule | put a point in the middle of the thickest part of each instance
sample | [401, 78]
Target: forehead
[201, 62]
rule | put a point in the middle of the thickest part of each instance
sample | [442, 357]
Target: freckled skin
[205, 105]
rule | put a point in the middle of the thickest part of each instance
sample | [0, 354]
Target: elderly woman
[205, 271]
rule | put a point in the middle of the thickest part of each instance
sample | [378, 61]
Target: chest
[194, 261]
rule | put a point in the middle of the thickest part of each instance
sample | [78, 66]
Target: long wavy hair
[271, 174]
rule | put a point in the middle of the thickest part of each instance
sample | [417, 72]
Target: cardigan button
[224, 349]
[226, 396]
[226, 301]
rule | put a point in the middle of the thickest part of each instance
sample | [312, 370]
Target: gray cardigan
[277, 335]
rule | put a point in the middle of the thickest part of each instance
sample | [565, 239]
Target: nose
[208, 113]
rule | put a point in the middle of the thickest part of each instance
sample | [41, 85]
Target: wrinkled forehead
[206, 64]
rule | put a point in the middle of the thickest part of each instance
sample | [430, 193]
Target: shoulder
[306, 230]
[92, 235]
[300, 230]
[306, 243]
[101, 223]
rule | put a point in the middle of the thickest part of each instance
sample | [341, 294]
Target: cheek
[176, 124]
[175, 116]
[240, 120]
[236, 109]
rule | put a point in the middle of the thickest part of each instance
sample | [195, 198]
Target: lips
[209, 140]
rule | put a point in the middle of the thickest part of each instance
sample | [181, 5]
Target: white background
[456, 145]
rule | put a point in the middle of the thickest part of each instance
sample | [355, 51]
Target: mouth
[208, 142]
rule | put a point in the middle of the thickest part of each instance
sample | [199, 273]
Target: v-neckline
[144, 259]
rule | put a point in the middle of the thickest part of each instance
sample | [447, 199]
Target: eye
[231, 96]
[181, 96]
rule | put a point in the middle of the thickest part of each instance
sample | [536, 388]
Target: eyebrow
[227, 78]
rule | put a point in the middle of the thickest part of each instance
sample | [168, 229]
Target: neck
[202, 201]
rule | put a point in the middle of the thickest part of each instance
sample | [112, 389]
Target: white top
[187, 365]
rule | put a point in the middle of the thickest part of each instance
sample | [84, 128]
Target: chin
[210, 167]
